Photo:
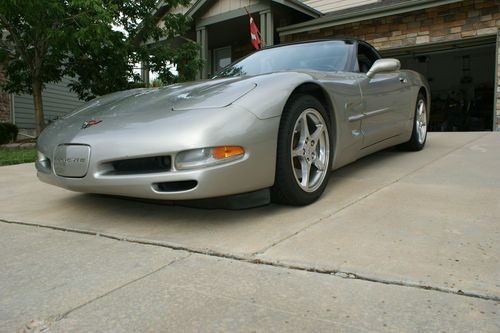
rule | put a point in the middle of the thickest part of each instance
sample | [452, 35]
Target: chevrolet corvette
[280, 119]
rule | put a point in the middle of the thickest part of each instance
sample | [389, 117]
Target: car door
[383, 97]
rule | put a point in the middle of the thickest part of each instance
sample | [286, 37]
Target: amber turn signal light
[227, 151]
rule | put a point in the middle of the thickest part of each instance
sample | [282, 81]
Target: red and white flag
[254, 34]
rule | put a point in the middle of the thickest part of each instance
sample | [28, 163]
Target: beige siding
[326, 6]
[223, 6]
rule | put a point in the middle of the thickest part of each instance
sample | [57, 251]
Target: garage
[462, 79]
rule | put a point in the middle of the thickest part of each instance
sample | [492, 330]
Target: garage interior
[462, 80]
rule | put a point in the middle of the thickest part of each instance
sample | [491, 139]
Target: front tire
[303, 153]
[419, 132]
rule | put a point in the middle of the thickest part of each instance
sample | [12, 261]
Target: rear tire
[419, 132]
[304, 152]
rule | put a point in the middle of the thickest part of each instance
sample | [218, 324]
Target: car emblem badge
[90, 123]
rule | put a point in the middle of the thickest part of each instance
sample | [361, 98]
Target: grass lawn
[17, 156]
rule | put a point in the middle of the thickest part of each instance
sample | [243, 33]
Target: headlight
[205, 157]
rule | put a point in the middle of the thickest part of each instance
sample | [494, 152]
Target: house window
[222, 58]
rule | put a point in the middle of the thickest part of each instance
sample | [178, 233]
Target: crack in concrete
[253, 260]
[320, 219]
[67, 313]
[41, 325]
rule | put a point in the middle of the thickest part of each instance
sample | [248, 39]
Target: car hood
[177, 97]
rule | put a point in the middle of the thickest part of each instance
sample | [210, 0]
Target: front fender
[268, 98]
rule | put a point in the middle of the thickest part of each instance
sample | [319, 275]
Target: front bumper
[244, 175]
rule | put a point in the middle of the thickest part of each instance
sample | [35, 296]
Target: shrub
[157, 83]
[8, 132]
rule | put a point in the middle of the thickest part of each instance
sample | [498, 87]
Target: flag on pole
[254, 34]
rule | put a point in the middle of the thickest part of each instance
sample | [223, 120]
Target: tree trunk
[37, 100]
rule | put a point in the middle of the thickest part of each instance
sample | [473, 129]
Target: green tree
[44, 40]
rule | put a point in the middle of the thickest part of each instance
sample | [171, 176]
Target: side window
[366, 58]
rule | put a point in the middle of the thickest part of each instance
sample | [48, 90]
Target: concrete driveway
[399, 242]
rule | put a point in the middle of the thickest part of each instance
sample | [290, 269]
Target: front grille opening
[179, 186]
[141, 165]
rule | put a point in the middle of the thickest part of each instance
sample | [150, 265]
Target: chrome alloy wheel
[310, 147]
[421, 121]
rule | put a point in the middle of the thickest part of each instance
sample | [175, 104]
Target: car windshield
[320, 56]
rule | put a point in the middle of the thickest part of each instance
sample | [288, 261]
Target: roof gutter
[332, 20]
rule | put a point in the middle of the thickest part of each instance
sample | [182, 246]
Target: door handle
[403, 80]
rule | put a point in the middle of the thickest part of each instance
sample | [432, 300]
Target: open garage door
[462, 79]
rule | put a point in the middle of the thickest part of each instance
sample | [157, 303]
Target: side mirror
[384, 66]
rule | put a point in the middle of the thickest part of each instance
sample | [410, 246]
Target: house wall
[57, 102]
[4, 100]
[466, 19]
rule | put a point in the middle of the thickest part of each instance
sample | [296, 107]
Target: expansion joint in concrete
[252, 260]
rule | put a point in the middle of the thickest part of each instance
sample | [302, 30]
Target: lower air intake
[141, 165]
[180, 186]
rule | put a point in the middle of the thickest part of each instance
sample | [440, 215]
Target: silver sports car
[280, 119]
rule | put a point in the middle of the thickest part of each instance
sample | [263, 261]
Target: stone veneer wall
[466, 19]
[4, 100]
